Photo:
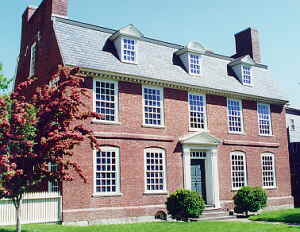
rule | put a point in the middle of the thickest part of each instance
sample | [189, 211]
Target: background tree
[42, 129]
[4, 81]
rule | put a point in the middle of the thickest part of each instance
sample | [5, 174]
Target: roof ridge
[147, 39]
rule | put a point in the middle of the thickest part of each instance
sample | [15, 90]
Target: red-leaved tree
[42, 129]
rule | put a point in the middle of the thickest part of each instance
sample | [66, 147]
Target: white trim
[162, 116]
[135, 50]
[118, 179]
[113, 208]
[269, 154]
[243, 154]
[204, 112]
[242, 76]
[242, 120]
[32, 65]
[95, 73]
[157, 150]
[116, 84]
[189, 63]
[270, 119]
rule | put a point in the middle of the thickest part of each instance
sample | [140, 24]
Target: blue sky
[213, 23]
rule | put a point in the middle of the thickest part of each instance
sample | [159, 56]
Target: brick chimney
[247, 43]
[59, 7]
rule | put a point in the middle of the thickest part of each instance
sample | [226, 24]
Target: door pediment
[200, 138]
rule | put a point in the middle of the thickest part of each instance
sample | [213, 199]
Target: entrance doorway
[198, 183]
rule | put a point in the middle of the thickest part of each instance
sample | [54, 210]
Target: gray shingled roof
[83, 45]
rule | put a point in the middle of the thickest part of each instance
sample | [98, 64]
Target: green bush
[249, 199]
[184, 204]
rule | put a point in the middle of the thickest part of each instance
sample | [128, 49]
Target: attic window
[246, 75]
[129, 50]
[194, 63]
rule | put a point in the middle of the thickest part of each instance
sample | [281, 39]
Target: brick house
[175, 116]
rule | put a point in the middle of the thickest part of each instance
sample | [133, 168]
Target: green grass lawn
[163, 227]
[287, 216]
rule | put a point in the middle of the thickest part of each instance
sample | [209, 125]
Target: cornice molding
[174, 85]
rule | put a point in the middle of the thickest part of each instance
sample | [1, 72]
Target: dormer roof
[246, 60]
[129, 30]
[192, 46]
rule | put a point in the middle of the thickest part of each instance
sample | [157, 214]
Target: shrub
[249, 199]
[184, 204]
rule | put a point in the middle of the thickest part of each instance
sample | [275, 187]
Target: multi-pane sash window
[268, 170]
[264, 119]
[107, 177]
[53, 186]
[129, 50]
[238, 170]
[246, 75]
[194, 64]
[33, 60]
[106, 99]
[235, 117]
[292, 125]
[197, 111]
[153, 106]
[155, 172]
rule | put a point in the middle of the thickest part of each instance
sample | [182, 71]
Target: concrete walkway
[260, 222]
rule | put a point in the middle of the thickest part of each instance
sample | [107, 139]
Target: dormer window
[246, 75]
[242, 67]
[126, 42]
[194, 64]
[129, 52]
[191, 57]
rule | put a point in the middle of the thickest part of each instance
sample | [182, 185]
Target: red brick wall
[78, 195]
[48, 55]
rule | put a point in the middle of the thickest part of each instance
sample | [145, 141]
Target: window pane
[268, 170]
[106, 99]
[155, 173]
[197, 111]
[194, 64]
[238, 167]
[234, 115]
[106, 173]
[153, 106]
[128, 50]
[246, 75]
[264, 119]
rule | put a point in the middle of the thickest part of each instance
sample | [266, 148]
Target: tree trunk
[17, 203]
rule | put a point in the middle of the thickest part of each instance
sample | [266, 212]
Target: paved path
[261, 222]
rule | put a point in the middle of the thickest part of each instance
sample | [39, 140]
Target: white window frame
[116, 83]
[200, 63]
[52, 184]
[270, 119]
[135, 50]
[243, 154]
[118, 174]
[204, 112]
[155, 150]
[269, 154]
[162, 117]
[33, 59]
[242, 120]
[250, 75]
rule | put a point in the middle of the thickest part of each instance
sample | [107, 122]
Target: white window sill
[198, 130]
[157, 193]
[270, 187]
[266, 135]
[236, 133]
[97, 121]
[153, 126]
[128, 62]
[249, 85]
[107, 195]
